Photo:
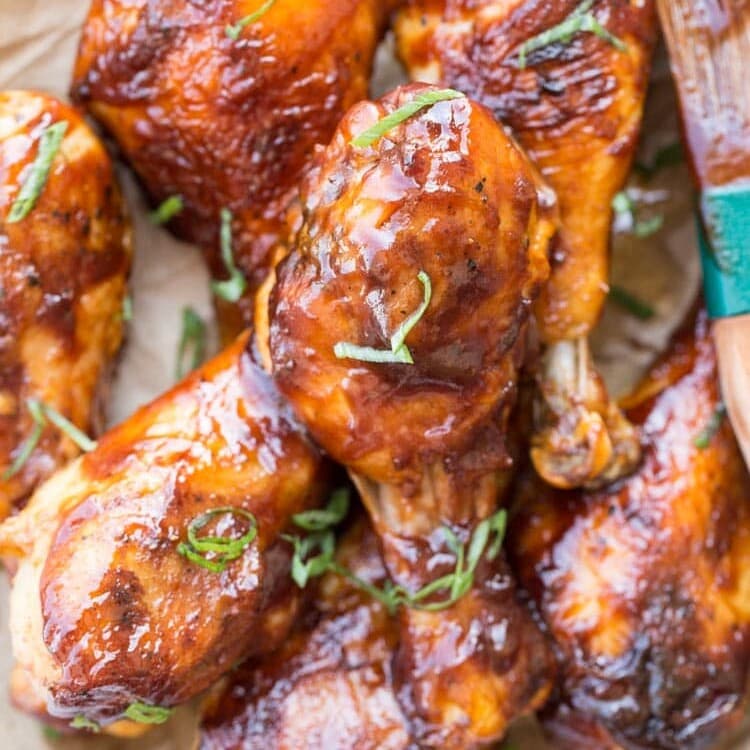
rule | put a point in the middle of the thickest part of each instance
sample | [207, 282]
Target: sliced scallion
[191, 351]
[403, 113]
[234, 30]
[580, 20]
[145, 714]
[234, 287]
[216, 552]
[399, 352]
[49, 144]
[167, 210]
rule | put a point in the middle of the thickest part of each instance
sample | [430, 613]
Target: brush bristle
[709, 44]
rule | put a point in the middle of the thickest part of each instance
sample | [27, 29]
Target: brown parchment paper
[38, 39]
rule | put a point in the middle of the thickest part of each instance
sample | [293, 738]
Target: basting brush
[709, 46]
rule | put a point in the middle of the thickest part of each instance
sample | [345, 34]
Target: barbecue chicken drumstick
[124, 596]
[64, 258]
[442, 215]
[223, 122]
[644, 587]
[575, 105]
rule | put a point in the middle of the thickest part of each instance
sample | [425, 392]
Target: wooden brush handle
[732, 337]
[709, 49]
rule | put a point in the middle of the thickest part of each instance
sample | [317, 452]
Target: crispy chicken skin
[446, 193]
[330, 687]
[63, 272]
[576, 108]
[105, 611]
[225, 123]
[644, 587]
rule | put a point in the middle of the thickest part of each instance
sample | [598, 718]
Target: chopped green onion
[624, 205]
[167, 210]
[398, 338]
[304, 566]
[580, 20]
[455, 584]
[126, 313]
[234, 287]
[703, 440]
[233, 31]
[80, 438]
[631, 303]
[31, 443]
[192, 341]
[399, 352]
[216, 552]
[51, 734]
[390, 595]
[404, 112]
[145, 714]
[49, 145]
[345, 350]
[458, 583]
[42, 413]
[646, 227]
[321, 520]
[668, 156]
[81, 722]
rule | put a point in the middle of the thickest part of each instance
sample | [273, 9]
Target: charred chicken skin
[63, 272]
[330, 687]
[644, 587]
[575, 104]
[445, 215]
[226, 117]
[114, 604]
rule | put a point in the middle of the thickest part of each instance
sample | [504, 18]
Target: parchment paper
[37, 47]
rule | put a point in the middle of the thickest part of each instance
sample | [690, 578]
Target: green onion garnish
[51, 734]
[306, 566]
[80, 438]
[126, 313]
[167, 210]
[42, 413]
[234, 287]
[646, 227]
[233, 31]
[145, 714]
[703, 440]
[580, 20]
[624, 205]
[630, 302]
[192, 342]
[31, 443]
[81, 722]
[404, 112]
[399, 352]
[333, 514]
[216, 552]
[49, 145]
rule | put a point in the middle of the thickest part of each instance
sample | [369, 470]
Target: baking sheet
[37, 47]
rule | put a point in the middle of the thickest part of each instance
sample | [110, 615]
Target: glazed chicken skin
[443, 199]
[576, 107]
[330, 687]
[63, 274]
[108, 609]
[223, 122]
[644, 586]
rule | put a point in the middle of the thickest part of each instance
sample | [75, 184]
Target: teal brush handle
[725, 249]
